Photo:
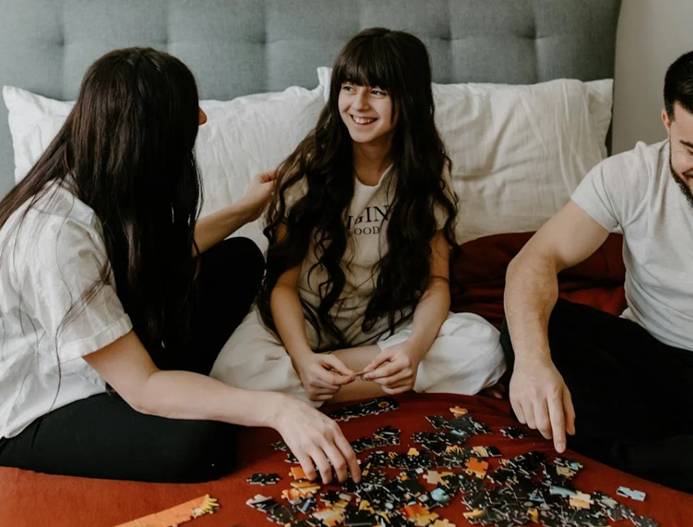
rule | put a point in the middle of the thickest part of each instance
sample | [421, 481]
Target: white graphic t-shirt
[366, 221]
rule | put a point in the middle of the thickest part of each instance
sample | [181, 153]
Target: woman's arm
[313, 438]
[214, 228]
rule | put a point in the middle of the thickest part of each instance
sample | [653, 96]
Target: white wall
[651, 35]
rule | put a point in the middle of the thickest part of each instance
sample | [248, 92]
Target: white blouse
[49, 319]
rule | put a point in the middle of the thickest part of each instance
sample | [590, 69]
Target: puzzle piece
[636, 495]
[476, 467]
[263, 479]
[512, 432]
[179, 514]
[434, 477]
[458, 412]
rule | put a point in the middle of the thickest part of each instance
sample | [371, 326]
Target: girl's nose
[361, 101]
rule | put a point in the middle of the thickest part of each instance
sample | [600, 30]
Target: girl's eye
[347, 87]
[378, 92]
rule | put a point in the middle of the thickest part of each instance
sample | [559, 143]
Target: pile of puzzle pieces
[529, 488]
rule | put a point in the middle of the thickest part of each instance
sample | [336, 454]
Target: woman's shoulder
[57, 221]
[58, 202]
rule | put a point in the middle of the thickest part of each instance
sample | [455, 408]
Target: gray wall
[651, 35]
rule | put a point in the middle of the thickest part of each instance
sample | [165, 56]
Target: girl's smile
[366, 112]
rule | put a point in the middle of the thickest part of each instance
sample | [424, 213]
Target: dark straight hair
[678, 84]
[126, 151]
[397, 62]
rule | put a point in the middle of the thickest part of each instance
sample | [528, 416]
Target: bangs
[369, 63]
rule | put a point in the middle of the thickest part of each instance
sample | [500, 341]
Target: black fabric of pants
[633, 395]
[103, 437]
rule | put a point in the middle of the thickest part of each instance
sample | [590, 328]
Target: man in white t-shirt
[621, 387]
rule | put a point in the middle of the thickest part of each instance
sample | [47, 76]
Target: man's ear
[666, 120]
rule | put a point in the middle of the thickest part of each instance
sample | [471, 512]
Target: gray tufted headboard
[236, 47]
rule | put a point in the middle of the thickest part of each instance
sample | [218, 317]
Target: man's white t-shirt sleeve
[63, 288]
[614, 190]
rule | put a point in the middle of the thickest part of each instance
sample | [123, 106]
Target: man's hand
[541, 400]
[394, 368]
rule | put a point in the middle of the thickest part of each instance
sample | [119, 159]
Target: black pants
[633, 395]
[103, 437]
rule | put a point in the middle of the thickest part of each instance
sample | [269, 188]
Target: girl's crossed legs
[465, 358]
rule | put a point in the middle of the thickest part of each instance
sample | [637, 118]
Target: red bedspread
[478, 276]
[32, 500]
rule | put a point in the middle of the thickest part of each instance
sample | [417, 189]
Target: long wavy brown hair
[397, 62]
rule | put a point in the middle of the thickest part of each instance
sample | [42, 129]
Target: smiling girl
[355, 302]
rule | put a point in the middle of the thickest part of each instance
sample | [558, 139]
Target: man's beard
[680, 181]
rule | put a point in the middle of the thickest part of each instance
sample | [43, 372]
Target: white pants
[465, 358]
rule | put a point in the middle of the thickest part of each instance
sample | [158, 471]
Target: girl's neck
[370, 161]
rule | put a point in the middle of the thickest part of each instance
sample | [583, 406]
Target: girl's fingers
[382, 357]
[396, 391]
[322, 383]
[325, 397]
[394, 380]
[384, 371]
[336, 364]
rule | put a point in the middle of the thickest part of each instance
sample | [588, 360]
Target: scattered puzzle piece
[636, 495]
[297, 473]
[458, 412]
[435, 478]
[477, 468]
[512, 432]
[264, 479]
[174, 516]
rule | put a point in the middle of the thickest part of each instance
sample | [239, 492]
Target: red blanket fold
[478, 276]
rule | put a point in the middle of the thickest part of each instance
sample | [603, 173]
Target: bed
[241, 47]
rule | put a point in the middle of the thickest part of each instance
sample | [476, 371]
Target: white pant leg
[254, 359]
[465, 358]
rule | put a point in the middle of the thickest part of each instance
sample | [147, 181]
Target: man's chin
[683, 185]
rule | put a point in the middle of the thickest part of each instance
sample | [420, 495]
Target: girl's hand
[316, 441]
[258, 194]
[394, 368]
[322, 375]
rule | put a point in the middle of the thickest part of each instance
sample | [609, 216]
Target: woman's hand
[322, 375]
[316, 441]
[394, 368]
[258, 194]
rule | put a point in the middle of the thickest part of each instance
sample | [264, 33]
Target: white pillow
[242, 137]
[518, 151]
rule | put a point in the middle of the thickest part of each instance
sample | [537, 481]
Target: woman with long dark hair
[355, 299]
[115, 299]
